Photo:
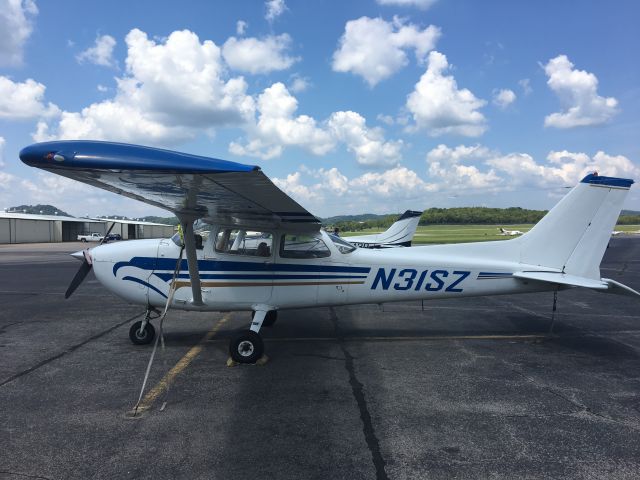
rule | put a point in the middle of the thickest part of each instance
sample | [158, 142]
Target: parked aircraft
[510, 232]
[303, 266]
[400, 234]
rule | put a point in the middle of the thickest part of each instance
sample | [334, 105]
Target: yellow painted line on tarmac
[166, 381]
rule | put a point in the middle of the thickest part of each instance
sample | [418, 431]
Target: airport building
[27, 228]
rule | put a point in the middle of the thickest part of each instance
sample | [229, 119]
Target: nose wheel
[140, 334]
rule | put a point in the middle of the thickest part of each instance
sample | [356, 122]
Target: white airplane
[399, 234]
[510, 233]
[300, 265]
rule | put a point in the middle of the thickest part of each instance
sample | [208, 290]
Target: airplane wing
[190, 186]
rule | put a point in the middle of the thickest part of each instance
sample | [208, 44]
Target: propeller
[85, 268]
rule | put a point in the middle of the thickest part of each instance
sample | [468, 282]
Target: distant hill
[165, 220]
[39, 210]
[353, 218]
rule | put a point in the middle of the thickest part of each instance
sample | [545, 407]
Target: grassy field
[433, 234]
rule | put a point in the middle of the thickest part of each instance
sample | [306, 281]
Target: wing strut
[192, 260]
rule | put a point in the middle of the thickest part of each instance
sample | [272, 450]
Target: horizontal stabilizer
[620, 289]
[563, 279]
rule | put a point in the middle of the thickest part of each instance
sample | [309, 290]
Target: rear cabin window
[244, 242]
[303, 246]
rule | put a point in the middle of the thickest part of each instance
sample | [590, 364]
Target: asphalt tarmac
[471, 388]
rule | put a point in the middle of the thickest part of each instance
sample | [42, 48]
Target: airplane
[399, 234]
[509, 232]
[302, 265]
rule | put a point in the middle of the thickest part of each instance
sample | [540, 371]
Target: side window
[244, 242]
[303, 246]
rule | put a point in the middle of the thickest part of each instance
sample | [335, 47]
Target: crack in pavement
[71, 349]
[26, 475]
[358, 392]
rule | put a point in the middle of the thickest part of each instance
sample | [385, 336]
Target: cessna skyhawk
[267, 253]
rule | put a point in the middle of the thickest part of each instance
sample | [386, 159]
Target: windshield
[342, 245]
[176, 239]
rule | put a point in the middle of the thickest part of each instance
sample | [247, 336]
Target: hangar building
[27, 228]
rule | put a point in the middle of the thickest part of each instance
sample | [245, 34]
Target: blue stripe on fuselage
[151, 263]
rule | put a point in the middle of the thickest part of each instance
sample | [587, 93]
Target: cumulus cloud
[525, 84]
[578, 94]
[101, 53]
[439, 107]
[367, 144]
[23, 100]
[253, 55]
[325, 189]
[450, 169]
[421, 4]
[241, 27]
[503, 98]
[2, 144]
[278, 127]
[375, 49]
[171, 90]
[299, 84]
[16, 25]
[275, 8]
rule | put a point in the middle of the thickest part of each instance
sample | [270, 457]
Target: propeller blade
[78, 278]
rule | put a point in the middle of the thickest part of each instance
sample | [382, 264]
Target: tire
[83, 240]
[246, 347]
[269, 319]
[147, 335]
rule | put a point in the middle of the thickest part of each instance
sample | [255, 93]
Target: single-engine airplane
[399, 234]
[286, 261]
[509, 233]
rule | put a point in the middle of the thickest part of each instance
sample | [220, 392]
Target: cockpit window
[294, 245]
[244, 242]
[342, 245]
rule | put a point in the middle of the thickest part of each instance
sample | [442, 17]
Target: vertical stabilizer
[573, 236]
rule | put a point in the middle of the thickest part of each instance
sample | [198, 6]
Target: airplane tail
[574, 235]
[402, 231]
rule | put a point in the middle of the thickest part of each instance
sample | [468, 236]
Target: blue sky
[350, 107]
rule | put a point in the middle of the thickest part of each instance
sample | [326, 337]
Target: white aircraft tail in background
[400, 234]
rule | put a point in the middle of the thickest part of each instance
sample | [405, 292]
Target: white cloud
[16, 25]
[503, 98]
[171, 90]
[255, 55]
[525, 84]
[375, 49]
[578, 94]
[325, 190]
[275, 8]
[277, 127]
[421, 4]
[439, 107]
[2, 144]
[101, 53]
[449, 169]
[241, 27]
[299, 84]
[23, 100]
[367, 144]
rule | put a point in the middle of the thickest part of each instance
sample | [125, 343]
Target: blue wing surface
[217, 191]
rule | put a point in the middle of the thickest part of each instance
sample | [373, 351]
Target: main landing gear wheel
[246, 347]
[269, 319]
[143, 337]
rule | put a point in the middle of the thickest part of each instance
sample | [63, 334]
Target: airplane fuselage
[142, 271]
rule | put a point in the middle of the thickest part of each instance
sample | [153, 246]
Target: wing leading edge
[190, 186]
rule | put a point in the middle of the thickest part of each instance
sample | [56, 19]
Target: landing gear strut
[247, 346]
